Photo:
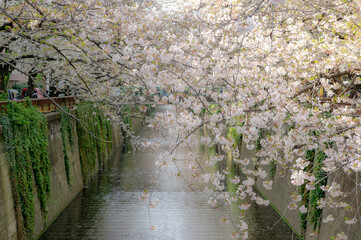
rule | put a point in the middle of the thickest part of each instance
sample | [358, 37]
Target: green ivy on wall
[66, 129]
[126, 118]
[310, 156]
[237, 137]
[91, 136]
[260, 136]
[317, 193]
[303, 216]
[25, 136]
[310, 198]
[272, 170]
[149, 108]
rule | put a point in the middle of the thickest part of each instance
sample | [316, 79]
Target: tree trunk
[4, 73]
[31, 87]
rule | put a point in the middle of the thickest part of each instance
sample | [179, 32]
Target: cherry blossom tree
[284, 74]
[291, 78]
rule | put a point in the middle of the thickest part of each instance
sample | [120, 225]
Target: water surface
[109, 208]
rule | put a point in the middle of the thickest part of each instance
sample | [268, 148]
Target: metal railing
[43, 105]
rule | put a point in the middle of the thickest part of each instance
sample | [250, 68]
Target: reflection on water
[110, 207]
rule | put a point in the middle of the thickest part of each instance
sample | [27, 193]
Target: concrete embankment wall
[280, 194]
[7, 210]
[279, 198]
[61, 193]
[351, 189]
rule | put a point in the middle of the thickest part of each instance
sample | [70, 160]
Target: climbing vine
[126, 119]
[149, 108]
[317, 193]
[94, 137]
[237, 137]
[66, 129]
[310, 155]
[303, 216]
[272, 170]
[26, 144]
[310, 198]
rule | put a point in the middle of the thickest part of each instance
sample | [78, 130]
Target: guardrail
[43, 105]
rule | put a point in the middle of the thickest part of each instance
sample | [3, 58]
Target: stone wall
[61, 193]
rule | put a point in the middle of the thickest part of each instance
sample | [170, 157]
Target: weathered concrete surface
[352, 196]
[137, 120]
[279, 196]
[7, 210]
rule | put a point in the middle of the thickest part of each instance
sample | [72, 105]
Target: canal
[110, 208]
